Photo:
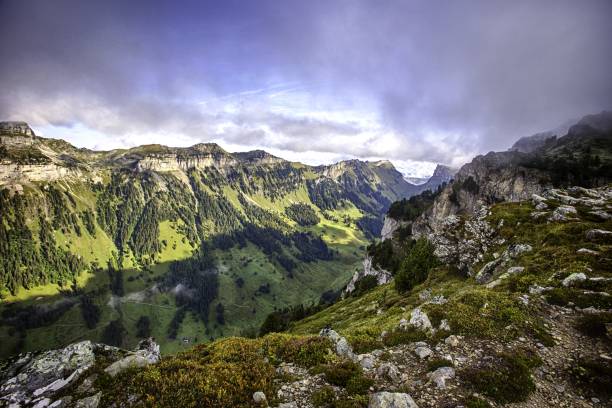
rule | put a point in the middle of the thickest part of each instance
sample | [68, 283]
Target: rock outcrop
[382, 276]
[36, 379]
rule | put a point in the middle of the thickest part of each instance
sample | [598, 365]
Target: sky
[415, 82]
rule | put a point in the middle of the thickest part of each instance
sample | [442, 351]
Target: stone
[518, 249]
[259, 398]
[452, 340]
[424, 295]
[366, 361]
[597, 234]
[343, 348]
[391, 400]
[538, 290]
[388, 371]
[288, 405]
[563, 213]
[601, 214]
[423, 352]
[419, 320]
[574, 278]
[586, 251]
[440, 376]
[147, 353]
[444, 325]
[42, 374]
[89, 402]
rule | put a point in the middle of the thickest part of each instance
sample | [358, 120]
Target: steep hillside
[188, 244]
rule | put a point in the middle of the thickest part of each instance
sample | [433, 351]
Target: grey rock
[288, 405]
[89, 402]
[541, 206]
[43, 374]
[563, 213]
[391, 400]
[388, 371]
[574, 278]
[586, 251]
[440, 376]
[601, 214]
[147, 353]
[518, 249]
[423, 352]
[419, 320]
[259, 397]
[596, 234]
[366, 361]
[452, 340]
[343, 348]
[444, 325]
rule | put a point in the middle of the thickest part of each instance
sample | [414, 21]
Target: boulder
[89, 402]
[597, 234]
[419, 320]
[391, 400]
[452, 340]
[440, 376]
[43, 374]
[574, 278]
[388, 371]
[146, 353]
[343, 348]
[601, 214]
[423, 352]
[259, 398]
[586, 251]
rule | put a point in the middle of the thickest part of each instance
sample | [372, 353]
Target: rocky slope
[533, 330]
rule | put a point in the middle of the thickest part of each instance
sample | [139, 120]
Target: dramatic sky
[416, 82]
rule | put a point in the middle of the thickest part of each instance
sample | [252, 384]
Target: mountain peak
[16, 128]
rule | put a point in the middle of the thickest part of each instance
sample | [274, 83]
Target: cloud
[419, 81]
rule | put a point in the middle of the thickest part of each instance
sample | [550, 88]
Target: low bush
[594, 376]
[399, 336]
[506, 379]
[594, 325]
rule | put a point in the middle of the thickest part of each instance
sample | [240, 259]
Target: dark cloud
[446, 78]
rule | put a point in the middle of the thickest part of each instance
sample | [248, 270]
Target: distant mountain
[212, 238]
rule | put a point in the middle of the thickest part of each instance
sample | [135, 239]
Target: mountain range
[197, 241]
[481, 282]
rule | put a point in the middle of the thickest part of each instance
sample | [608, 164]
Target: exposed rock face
[16, 128]
[382, 276]
[390, 225]
[37, 378]
[12, 172]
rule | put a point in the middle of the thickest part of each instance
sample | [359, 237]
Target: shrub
[433, 365]
[365, 284]
[359, 385]
[506, 380]
[399, 336]
[416, 266]
[364, 342]
[594, 375]
[323, 397]
[475, 402]
[339, 374]
[594, 325]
